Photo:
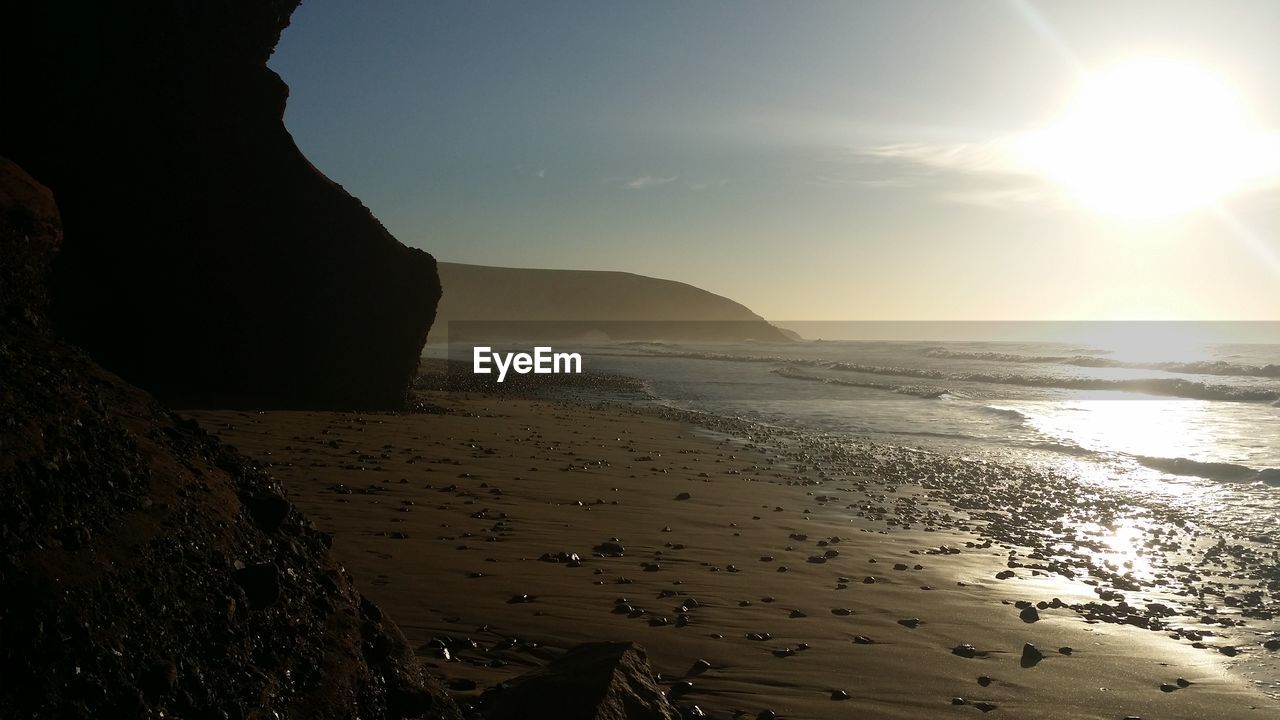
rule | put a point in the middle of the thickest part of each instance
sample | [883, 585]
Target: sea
[1162, 414]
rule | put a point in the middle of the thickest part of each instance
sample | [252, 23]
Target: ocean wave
[1166, 387]
[920, 391]
[1063, 448]
[1220, 471]
[933, 434]
[1003, 412]
[1200, 367]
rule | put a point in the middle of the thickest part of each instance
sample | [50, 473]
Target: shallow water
[1206, 442]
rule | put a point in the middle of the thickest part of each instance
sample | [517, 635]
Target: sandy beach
[760, 580]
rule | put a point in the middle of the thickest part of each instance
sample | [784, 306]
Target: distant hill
[591, 303]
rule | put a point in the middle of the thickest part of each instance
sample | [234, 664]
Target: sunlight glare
[1150, 139]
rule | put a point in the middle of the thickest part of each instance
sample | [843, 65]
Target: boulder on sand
[594, 681]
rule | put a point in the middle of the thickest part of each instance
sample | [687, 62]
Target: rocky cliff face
[147, 570]
[204, 258]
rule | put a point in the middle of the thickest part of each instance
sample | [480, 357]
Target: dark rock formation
[590, 303]
[595, 681]
[205, 259]
[146, 570]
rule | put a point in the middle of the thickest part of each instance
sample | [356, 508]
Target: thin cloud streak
[987, 174]
[991, 157]
[1001, 173]
[645, 182]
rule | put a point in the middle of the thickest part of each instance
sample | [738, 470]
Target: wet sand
[813, 584]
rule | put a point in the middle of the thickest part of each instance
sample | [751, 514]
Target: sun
[1152, 138]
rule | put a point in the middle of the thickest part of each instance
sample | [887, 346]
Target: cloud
[994, 157]
[993, 174]
[645, 182]
[1016, 171]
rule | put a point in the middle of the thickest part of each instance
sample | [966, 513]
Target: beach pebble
[862, 640]
[965, 651]
[1031, 655]
[959, 701]
[699, 666]
[610, 549]
[910, 622]
[984, 680]
[1029, 614]
[839, 695]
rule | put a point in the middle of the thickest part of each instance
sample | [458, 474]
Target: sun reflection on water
[1120, 548]
[1140, 427]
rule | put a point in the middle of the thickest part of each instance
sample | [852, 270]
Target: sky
[853, 160]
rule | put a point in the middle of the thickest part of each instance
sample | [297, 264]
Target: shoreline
[421, 503]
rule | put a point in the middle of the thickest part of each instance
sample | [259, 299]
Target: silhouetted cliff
[620, 305]
[147, 570]
[205, 259]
